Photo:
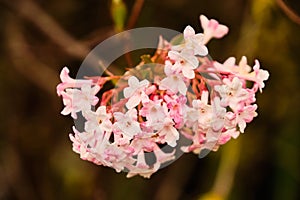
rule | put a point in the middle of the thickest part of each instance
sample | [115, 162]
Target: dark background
[38, 38]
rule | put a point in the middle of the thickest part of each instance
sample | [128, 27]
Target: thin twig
[135, 13]
[288, 11]
[136, 10]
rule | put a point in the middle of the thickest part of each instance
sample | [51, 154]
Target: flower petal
[188, 32]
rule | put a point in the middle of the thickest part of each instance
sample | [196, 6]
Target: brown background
[38, 38]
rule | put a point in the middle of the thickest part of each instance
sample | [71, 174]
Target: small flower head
[185, 61]
[192, 41]
[212, 29]
[206, 102]
[174, 82]
[135, 92]
[127, 123]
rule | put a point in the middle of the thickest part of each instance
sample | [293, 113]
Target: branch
[34, 14]
[226, 172]
[288, 11]
[136, 10]
[25, 62]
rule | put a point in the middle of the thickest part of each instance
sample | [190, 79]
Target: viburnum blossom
[169, 134]
[260, 76]
[212, 29]
[155, 113]
[76, 100]
[185, 61]
[192, 42]
[174, 81]
[127, 123]
[232, 92]
[135, 92]
[138, 126]
[99, 119]
[245, 115]
[68, 82]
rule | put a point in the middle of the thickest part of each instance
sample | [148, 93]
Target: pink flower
[173, 82]
[216, 108]
[127, 123]
[142, 168]
[169, 133]
[243, 71]
[227, 67]
[245, 115]
[155, 113]
[76, 100]
[177, 108]
[145, 142]
[232, 93]
[212, 29]
[98, 120]
[198, 139]
[243, 67]
[79, 146]
[135, 92]
[161, 156]
[68, 82]
[185, 61]
[205, 112]
[260, 75]
[232, 133]
[219, 113]
[192, 41]
[224, 137]
[211, 141]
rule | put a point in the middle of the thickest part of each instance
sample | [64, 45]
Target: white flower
[127, 123]
[98, 120]
[135, 92]
[205, 111]
[169, 133]
[173, 82]
[76, 100]
[245, 115]
[155, 113]
[185, 61]
[260, 75]
[227, 67]
[68, 82]
[193, 42]
[232, 92]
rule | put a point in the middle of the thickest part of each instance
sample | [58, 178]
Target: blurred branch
[30, 11]
[93, 38]
[288, 11]
[226, 172]
[135, 13]
[33, 13]
[25, 62]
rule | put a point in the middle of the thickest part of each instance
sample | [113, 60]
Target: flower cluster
[196, 98]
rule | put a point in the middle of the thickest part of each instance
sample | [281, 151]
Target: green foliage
[118, 12]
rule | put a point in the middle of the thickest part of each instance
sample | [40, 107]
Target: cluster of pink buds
[192, 97]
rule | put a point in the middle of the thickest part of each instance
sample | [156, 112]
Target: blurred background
[38, 38]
